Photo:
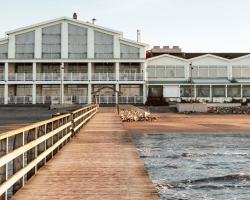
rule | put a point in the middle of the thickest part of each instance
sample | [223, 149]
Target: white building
[70, 61]
[217, 77]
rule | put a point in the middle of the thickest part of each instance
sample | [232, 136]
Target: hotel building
[66, 60]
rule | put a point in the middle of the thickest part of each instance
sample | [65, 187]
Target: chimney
[93, 20]
[74, 16]
[138, 35]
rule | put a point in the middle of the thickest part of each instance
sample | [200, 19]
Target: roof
[61, 19]
[185, 55]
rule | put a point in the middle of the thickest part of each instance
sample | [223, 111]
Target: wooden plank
[96, 164]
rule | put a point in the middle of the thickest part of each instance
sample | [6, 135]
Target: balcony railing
[103, 76]
[131, 77]
[75, 76]
[48, 76]
[105, 99]
[47, 99]
[20, 100]
[20, 77]
[81, 99]
[131, 99]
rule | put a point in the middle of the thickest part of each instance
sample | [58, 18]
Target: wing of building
[173, 75]
[70, 61]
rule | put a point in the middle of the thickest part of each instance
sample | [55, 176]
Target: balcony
[75, 76]
[103, 76]
[48, 76]
[131, 77]
[131, 99]
[81, 99]
[20, 100]
[20, 77]
[47, 99]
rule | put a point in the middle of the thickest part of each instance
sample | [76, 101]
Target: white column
[64, 38]
[226, 91]
[6, 93]
[38, 43]
[116, 47]
[145, 93]
[6, 71]
[12, 46]
[89, 93]
[91, 41]
[34, 93]
[241, 91]
[117, 71]
[142, 52]
[195, 92]
[117, 88]
[89, 71]
[34, 83]
[230, 72]
[62, 85]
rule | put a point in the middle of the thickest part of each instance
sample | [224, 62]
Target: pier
[99, 162]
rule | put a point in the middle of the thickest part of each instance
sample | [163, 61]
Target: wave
[205, 183]
[213, 154]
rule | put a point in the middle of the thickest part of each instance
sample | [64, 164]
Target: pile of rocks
[230, 110]
[129, 113]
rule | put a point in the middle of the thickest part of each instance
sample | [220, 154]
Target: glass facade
[25, 45]
[129, 52]
[104, 45]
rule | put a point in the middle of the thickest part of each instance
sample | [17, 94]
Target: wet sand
[192, 123]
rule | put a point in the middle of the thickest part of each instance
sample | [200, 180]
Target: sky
[194, 25]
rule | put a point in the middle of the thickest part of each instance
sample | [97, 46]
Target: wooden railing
[25, 150]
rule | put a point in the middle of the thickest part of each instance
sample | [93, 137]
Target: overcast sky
[194, 25]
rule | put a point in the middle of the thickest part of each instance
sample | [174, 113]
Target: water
[197, 167]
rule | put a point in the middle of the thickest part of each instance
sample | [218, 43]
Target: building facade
[70, 61]
[204, 77]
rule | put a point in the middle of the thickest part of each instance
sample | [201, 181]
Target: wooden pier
[100, 162]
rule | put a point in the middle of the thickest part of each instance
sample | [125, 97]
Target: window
[104, 68]
[129, 52]
[203, 90]
[246, 90]
[160, 71]
[130, 90]
[170, 71]
[218, 91]
[234, 91]
[4, 51]
[23, 68]
[77, 42]
[25, 44]
[236, 71]
[51, 42]
[23, 90]
[245, 71]
[179, 72]
[103, 45]
[185, 91]
[212, 71]
[151, 71]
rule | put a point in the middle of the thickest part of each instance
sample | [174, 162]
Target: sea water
[197, 166]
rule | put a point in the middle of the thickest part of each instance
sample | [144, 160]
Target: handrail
[33, 145]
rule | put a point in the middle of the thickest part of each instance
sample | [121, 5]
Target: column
[226, 91]
[6, 93]
[145, 93]
[11, 47]
[6, 72]
[195, 92]
[117, 88]
[142, 52]
[117, 71]
[65, 38]
[241, 91]
[144, 70]
[117, 51]
[89, 93]
[62, 85]
[211, 92]
[89, 71]
[34, 93]
[91, 42]
[38, 43]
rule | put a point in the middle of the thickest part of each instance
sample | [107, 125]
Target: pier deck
[99, 163]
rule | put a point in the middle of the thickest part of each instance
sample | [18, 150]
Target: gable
[166, 60]
[244, 60]
[209, 60]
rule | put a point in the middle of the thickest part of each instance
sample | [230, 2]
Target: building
[173, 75]
[66, 60]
